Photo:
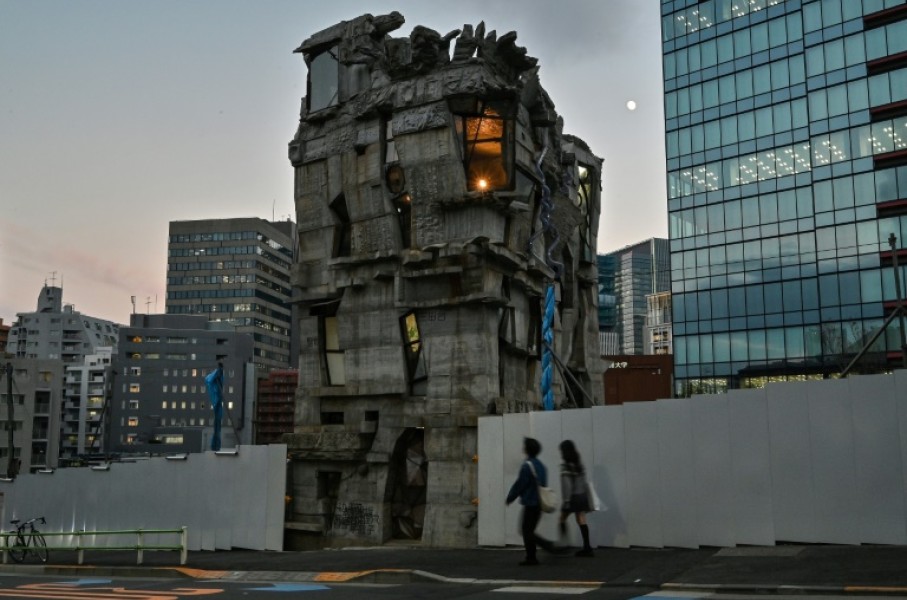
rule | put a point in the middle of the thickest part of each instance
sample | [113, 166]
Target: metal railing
[80, 547]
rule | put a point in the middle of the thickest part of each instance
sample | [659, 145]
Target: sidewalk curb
[736, 588]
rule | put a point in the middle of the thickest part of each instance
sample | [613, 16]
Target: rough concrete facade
[427, 237]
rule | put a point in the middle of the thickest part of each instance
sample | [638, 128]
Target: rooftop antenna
[148, 305]
[155, 304]
[273, 203]
[53, 279]
[133, 304]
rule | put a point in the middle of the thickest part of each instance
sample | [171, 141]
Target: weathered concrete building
[437, 198]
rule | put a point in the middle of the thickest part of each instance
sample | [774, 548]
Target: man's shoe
[584, 552]
[529, 562]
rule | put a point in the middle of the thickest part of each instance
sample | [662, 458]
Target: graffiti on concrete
[355, 517]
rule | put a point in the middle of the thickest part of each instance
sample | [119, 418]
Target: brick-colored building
[274, 405]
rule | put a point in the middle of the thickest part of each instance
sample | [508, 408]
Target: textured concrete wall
[388, 450]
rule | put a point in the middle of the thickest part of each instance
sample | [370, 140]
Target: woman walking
[532, 474]
[575, 488]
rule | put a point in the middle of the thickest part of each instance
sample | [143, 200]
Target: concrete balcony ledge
[329, 445]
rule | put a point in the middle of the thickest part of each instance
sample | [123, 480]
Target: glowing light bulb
[483, 184]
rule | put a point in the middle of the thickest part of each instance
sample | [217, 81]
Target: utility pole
[892, 241]
[11, 466]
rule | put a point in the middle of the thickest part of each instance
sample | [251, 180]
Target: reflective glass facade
[786, 138]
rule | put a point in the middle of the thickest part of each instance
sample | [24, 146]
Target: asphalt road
[99, 588]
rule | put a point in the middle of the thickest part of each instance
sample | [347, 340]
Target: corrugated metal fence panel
[492, 484]
[900, 383]
[751, 467]
[793, 498]
[831, 441]
[714, 501]
[817, 461]
[609, 471]
[678, 479]
[225, 501]
[516, 427]
[643, 475]
[879, 471]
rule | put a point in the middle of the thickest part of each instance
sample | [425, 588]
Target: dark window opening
[343, 229]
[534, 338]
[404, 203]
[332, 418]
[486, 134]
[371, 415]
[324, 79]
[585, 191]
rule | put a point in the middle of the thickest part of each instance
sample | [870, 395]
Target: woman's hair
[571, 456]
[532, 447]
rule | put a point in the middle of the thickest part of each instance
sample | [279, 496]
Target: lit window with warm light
[486, 138]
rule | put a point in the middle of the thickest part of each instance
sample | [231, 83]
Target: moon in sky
[631, 105]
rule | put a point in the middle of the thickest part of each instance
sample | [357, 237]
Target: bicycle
[28, 539]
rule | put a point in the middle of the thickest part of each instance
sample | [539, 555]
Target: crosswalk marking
[537, 589]
[74, 591]
[291, 587]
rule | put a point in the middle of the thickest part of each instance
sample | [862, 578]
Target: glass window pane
[781, 117]
[818, 108]
[762, 79]
[834, 55]
[793, 338]
[746, 126]
[757, 344]
[741, 42]
[815, 61]
[765, 122]
[774, 341]
[857, 95]
[710, 93]
[759, 37]
[837, 100]
[854, 49]
[777, 32]
[727, 91]
[739, 346]
[780, 75]
[898, 84]
[744, 84]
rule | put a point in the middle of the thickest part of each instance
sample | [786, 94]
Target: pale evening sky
[118, 116]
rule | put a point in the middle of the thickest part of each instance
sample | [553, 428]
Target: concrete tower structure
[437, 199]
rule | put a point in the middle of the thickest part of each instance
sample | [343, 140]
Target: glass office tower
[786, 133]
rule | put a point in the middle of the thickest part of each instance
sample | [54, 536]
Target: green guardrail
[80, 547]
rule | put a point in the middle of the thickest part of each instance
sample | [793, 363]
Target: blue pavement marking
[85, 582]
[290, 587]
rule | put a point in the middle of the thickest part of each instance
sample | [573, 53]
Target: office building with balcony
[659, 332]
[160, 403]
[786, 136]
[58, 331]
[37, 386]
[86, 391]
[625, 278]
[236, 271]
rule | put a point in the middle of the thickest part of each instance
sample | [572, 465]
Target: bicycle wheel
[39, 546]
[18, 549]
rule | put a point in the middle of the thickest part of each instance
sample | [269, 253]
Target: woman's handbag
[548, 500]
[595, 502]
